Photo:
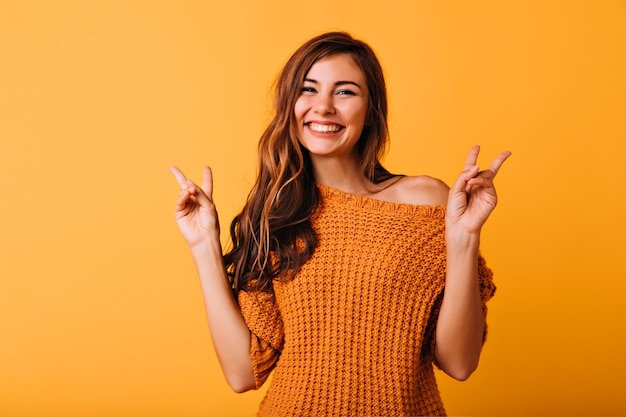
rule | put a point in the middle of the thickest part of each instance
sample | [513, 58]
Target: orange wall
[100, 309]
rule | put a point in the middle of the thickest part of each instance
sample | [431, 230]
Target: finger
[472, 157]
[180, 177]
[480, 181]
[207, 181]
[486, 174]
[497, 162]
[184, 197]
[198, 193]
[464, 177]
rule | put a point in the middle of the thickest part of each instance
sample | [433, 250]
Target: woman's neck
[341, 173]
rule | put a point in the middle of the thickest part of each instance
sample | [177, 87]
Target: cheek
[359, 115]
[299, 109]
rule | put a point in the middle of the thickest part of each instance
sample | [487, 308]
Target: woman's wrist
[206, 246]
[462, 240]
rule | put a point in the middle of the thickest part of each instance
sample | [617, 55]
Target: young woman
[335, 279]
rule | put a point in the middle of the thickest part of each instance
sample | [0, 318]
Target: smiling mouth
[319, 128]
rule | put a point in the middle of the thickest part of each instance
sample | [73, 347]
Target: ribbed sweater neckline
[329, 194]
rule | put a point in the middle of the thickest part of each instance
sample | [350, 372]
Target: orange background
[100, 308]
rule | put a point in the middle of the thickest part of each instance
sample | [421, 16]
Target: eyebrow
[337, 84]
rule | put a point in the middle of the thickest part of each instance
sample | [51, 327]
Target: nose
[324, 104]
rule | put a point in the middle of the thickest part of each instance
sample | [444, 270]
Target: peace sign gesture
[195, 211]
[473, 197]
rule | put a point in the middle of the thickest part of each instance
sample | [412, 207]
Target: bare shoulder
[417, 190]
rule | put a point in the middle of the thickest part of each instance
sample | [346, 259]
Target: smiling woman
[331, 111]
[336, 275]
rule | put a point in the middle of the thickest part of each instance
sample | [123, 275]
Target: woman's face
[332, 107]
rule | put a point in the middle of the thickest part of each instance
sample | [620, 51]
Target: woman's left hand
[473, 196]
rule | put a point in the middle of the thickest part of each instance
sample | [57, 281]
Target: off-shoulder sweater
[352, 333]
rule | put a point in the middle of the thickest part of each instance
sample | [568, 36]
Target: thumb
[198, 193]
[460, 184]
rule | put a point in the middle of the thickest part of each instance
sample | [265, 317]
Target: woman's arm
[198, 222]
[461, 322]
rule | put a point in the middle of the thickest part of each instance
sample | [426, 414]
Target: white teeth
[324, 128]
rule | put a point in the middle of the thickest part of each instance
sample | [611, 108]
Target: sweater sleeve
[263, 318]
[486, 285]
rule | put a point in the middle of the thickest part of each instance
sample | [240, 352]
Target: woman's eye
[345, 92]
[308, 90]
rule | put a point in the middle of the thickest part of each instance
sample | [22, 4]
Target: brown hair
[272, 237]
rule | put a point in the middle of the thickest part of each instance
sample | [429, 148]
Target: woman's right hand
[197, 219]
[195, 211]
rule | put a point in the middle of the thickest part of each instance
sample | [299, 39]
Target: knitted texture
[352, 333]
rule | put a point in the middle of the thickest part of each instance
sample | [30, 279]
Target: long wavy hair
[273, 236]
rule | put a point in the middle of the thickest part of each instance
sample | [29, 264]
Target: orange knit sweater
[352, 333]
